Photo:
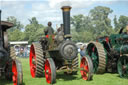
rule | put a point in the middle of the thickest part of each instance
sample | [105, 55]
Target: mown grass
[105, 79]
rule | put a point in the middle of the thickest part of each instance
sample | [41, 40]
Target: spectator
[82, 51]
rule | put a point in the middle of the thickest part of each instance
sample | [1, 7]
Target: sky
[50, 10]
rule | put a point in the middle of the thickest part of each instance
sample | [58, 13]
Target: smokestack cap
[66, 8]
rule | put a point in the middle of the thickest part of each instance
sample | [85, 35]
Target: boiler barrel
[123, 37]
[123, 49]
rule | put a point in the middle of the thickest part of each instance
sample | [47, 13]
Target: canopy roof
[6, 25]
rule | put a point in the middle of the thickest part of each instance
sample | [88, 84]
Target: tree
[100, 21]
[82, 36]
[17, 24]
[15, 33]
[120, 23]
[123, 20]
[92, 26]
[116, 24]
[33, 31]
[77, 22]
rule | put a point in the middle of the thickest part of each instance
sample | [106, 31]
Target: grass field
[105, 79]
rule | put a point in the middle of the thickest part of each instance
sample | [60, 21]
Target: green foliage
[100, 20]
[100, 13]
[84, 28]
[116, 24]
[15, 33]
[121, 22]
[33, 31]
[16, 23]
[84, 36]
[77, 21]
[95, 25]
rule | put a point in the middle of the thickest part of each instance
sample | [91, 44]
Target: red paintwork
[48, 73]
[32, 66]
[14, 70]
[84, 65]
[53, 36]
[46, 36]
[107, 39]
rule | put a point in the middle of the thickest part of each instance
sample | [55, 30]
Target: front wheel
[122, 66]
[86, 67]
[50, 71]
[17, 76]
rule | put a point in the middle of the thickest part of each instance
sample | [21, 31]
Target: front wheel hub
[68, 50]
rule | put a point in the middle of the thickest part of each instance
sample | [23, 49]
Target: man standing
[49, 30]
[82, 51]
[60, 30]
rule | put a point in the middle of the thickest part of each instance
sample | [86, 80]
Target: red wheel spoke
[32, 61]
[48, 73]
[85, 70]
[93, 49]
[14, 70]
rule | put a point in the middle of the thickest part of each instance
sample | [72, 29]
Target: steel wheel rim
[123, 67]
[48, 71]
[32, 58]
[120, 68]
[84, 66]
[14, 71]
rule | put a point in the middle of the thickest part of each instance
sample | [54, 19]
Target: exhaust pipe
[66, 21]
[0, 31]
[0, 21]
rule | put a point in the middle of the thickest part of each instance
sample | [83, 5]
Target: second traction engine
[110, 54]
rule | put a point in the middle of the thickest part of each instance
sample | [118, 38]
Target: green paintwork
[119, 43]
[94, 57]
[116, 43]
[95, 62]
[123, 66]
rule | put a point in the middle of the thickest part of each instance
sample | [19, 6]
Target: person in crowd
[82, 51]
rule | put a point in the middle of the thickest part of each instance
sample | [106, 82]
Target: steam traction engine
[10, 67]
[110, 54]
[55, 53]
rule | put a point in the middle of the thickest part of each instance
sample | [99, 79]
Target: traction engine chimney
[66, 20]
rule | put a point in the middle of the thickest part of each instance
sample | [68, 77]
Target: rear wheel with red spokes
[86, 67]
[36, 60]
[17, 76]
[50, 71]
